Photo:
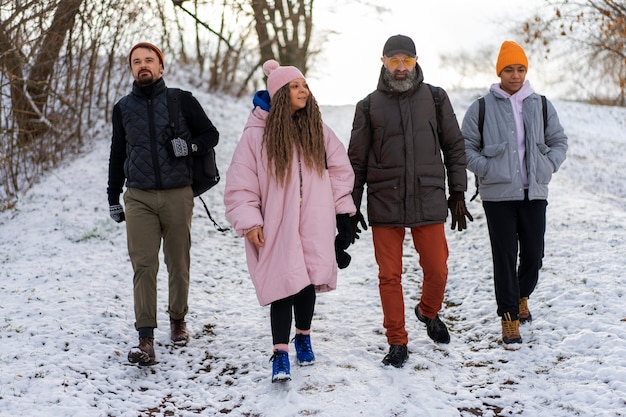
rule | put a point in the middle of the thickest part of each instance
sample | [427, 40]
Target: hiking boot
[179, 333]
[435, 328]
[524, 312]
[281, 371]
[144, 353]
[397, 356]
[304, 352]
[510, 330]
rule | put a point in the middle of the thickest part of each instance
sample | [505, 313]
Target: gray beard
[400, 86]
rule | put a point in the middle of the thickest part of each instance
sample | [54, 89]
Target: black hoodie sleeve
[116, 158]
[203, 133]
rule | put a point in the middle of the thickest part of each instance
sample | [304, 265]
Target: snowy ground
[66, 313]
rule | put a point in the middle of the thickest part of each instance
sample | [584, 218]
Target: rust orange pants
[431, 245]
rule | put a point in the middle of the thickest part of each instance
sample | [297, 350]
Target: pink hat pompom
[278, 76]
[269, 66]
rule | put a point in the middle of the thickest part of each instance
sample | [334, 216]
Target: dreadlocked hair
[304, 130]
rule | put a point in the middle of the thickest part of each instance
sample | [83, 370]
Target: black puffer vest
[149, 164]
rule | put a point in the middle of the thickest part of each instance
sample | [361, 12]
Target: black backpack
[205, 172]
[481, 122]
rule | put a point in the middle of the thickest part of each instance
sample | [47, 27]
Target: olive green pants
[152, 215]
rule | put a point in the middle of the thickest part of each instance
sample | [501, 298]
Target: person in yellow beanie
[514, 142]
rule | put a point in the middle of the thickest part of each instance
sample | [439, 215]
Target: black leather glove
[181, 148]
[116, 211]
[355, 220]
[456, 204]
[344, 231]
[342, 257]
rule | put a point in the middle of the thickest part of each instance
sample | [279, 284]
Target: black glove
[116, 211]
[342, 257]
[344, 231]
[355, 220]
[181, 148]
[456, 204]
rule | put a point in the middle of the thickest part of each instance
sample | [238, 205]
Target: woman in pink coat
[288, 186]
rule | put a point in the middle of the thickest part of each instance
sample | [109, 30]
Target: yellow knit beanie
[510, 54]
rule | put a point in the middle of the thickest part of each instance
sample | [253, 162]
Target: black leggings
[303, 305]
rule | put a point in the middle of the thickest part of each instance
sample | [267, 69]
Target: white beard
[400, 85]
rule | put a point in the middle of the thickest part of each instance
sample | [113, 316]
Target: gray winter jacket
[496, 163]
[397, 150]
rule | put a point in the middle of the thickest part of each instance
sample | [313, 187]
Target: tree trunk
[284, 29]
[42, 70]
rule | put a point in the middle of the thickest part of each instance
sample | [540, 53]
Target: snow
[66, 311]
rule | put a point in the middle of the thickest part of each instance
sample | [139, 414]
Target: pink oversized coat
[299, 239]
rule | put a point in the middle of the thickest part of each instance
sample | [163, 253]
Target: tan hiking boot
[143, 354]
[178, 328]
[524, 312]
[510, 330]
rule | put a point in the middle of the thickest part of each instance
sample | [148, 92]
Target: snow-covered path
[66, 314]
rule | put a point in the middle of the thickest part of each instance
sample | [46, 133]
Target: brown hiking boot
[144, 353]
[510, 330]
[178, 328]
[524, 312]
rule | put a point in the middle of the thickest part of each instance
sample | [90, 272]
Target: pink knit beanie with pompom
[278, 76]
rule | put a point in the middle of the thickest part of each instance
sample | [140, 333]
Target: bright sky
[348, 68]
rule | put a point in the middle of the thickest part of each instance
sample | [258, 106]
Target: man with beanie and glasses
[155, 164]
[514, 148]
[405, 144]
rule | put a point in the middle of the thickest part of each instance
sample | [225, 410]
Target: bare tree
[29, 62]
[29, 102]
[59, 71]
[592, 31]
[63, 63]
[284, 29]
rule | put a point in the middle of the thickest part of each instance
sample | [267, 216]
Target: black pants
[302, 304]
[515, 226]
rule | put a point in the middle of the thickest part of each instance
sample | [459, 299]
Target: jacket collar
[150, 91]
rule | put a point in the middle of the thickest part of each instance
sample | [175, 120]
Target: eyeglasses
[408, 61]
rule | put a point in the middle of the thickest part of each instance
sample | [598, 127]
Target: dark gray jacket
[396, 150]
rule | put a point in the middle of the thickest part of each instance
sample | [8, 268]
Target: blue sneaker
[280, 366]
[304, 352]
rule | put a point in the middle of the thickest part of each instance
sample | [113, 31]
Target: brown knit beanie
[149, 46]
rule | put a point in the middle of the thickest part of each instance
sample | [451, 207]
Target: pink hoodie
[299, 238]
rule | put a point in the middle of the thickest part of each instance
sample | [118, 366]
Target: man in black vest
[156, 164]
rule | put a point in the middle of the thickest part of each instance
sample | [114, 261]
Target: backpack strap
[366, 109]
[544, 107]
[173, 107]
[437, 99]
[481, 119]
